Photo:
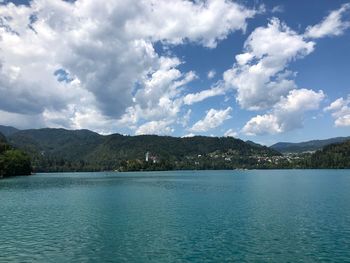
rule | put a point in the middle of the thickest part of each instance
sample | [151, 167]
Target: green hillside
[54, 150]
[83, 150]
[7, 130]
[332, 156]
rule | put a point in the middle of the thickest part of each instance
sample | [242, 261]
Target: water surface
[191, 216]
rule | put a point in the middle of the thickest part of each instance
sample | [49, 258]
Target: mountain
[314, 145]
[332, 156]
[84, 150]
[72, 144]
[7, 130]
[254, 143]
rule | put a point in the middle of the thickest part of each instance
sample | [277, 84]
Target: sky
[263, 70]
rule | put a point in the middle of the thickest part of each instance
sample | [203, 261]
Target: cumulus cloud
[107, 56]
[160, 96]
[155, 127]
[189, 135]
[192, 98]
[214, 118]
[340, 109]
[231, 133]
[277, 9]
[176, 21]
[22, 121]
[286, 115]
[332, 25]
[211, 74]
[259, 75]
[185, 118]
[263, 81]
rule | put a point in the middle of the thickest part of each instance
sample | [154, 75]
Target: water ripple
[250, 216]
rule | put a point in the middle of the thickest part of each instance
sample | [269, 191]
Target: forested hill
[84, 150]
[7, 130]
[308, 146]
[332, 156]
[12, 161]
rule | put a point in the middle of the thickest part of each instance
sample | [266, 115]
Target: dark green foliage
[12, 162]
[3, 144]
[2, 138]
[59, 150]
[332, 156]
[83, 150]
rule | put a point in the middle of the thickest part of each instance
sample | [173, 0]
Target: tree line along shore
[59, 150]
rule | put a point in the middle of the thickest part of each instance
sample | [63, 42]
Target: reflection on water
[213, 216]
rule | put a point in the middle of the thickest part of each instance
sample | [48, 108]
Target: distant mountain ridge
[7, 130]
[55, 150]
[66, 150]
[307, 146]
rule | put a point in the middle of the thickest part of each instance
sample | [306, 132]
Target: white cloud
[160, 100]
[160, 96]
[106, 49]
[155, 127]
[21, 121]
[332, 25]
[277, 9]
[260, 76]
[192, 98]
[211, 74]
[213, 119]
[231, 133]
[176, 21]
[263, 82]
[262, 124]
[189, 135]
[340, 109]
[184, 119]
[286, 115]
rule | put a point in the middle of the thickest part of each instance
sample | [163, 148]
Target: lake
[182, 216]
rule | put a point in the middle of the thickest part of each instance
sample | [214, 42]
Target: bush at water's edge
[12, 161]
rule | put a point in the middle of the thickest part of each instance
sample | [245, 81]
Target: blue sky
[279, 70]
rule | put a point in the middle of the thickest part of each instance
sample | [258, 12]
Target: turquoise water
[208, 216]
